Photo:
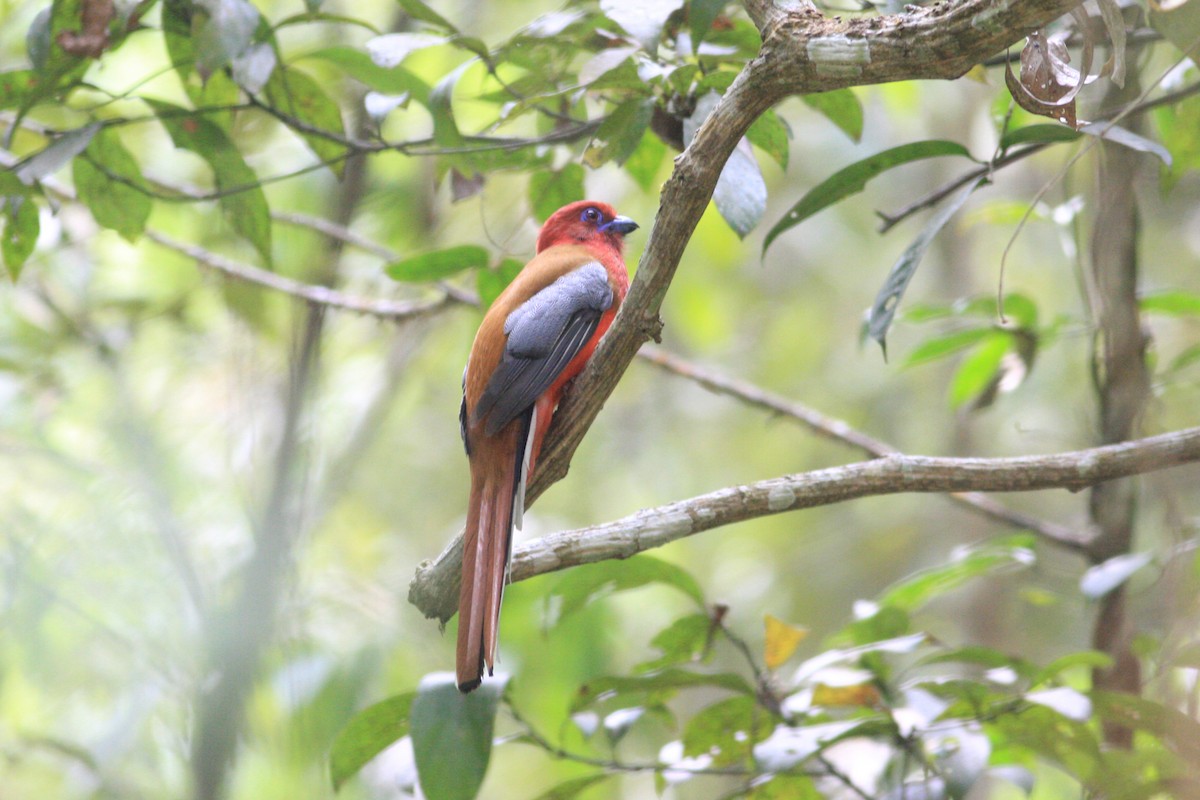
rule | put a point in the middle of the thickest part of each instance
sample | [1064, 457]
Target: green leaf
[842, 108]
[550, 190]
[242, 199]
[620, 133]
[590, 581]
[1070, 703]
[727, 730]
[1176, 729]
[770, 134]
[1177, 125]
[979, 368]
[391, 49]
[941, 346]
[646, 160]
[299, 97]
[641, 19]
[879, 318]
[20, 88]
[852, 179]
[1038, 134]
[701, 14]
[368, 734]
[569, 789]
[686, 639]
[741, 193]
[438, 264]
[50, 159]
[1175, 303]
[108, 180]
[452, 735]
[489, 283]
[420, 11]
[656, 687]
[785, 787]
[1087, 659]
[441, 105]
[224, 33]
[1127, 138]
[964, 565]
[358, 65]
[21, 228]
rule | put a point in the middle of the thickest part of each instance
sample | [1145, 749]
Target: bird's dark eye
[591, 214]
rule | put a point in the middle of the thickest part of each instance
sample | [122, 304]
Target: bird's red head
[586, 222]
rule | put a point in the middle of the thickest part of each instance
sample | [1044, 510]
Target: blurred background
[157, 417]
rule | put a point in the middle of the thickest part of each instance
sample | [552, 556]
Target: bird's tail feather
[497, 502]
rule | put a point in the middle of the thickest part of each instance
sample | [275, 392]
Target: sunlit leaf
[901, 644]
[368, 734]
[865, 695]
[1177, 125]
[300, 98]
[852, 179]
[445, 129]
[879, 318]
[1108, 575]
[225, 32]
[242, 199]
[107, 180]
[606, 62]
[617, 723]
[780, 641]
[391, 49]
[788, 747]
[55, 155]
[1126, 137]
[445, 721]
[641, 19]
[254, 67]
[590, 581]
[784, 786]
[491, 282]
[1065, 700]
[438, 264]
[1178, 730]
[841, 107]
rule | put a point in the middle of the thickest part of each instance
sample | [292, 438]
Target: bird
[536, 336]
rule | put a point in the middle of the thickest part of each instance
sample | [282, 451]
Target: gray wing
[544, 334]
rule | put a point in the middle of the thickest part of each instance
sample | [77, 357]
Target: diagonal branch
[841, 431]
[892, 474]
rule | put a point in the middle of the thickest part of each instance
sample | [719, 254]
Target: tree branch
[435, 588]
[841, 431]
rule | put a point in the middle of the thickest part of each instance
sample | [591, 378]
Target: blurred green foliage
[148, 404]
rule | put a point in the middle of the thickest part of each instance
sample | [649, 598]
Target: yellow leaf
[978, 74]
[861, 694]
[781, 641]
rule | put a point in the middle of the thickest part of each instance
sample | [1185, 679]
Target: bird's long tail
[496, 505]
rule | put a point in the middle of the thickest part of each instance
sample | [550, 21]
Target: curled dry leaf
[1048, 83]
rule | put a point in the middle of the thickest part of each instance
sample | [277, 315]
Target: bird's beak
[621, 225]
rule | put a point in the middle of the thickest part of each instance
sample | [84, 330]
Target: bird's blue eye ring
[591, 214]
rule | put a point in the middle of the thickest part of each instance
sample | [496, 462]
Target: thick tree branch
[435, 592]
